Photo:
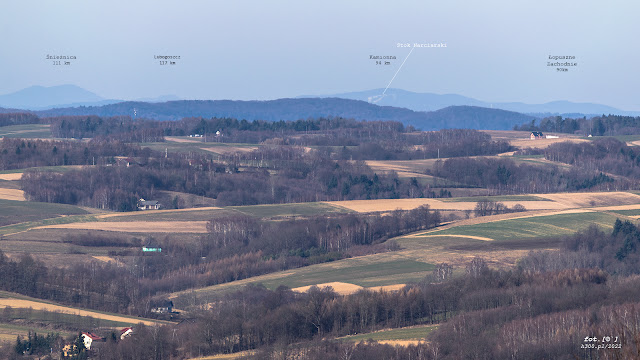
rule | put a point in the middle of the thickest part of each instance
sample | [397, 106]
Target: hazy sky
[497, 50]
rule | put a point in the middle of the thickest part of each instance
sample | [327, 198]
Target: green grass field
[9, 332]
[495, 198]
[58, 319]
[173, 146]
[408, 333]
[367, 271]
[20, 311]
[13, 171]
[24, 226]
[28, 131]
[533, 227]
[55, 248]
[14, 212]
[298, 209]
[541, 161]
[435, 182]
[58, 169]
[10, 184]
[413, 262]
[377, 273]
[634, 212]
[170, 215]
[232, 356]
[261, 211]
[515, 157]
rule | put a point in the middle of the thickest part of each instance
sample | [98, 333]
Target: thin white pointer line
[394, 76]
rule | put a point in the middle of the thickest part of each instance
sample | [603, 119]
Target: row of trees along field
[371, 140]
[8, 119]
[334, 131]
[26, 153]
[505, 176]
[259, 130]
[283, 174]
[121, 128]
[552, 298]
[605, 155]
[610, 125]
[235, 248]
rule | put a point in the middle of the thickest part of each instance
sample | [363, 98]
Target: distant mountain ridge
[61, 96]
[431, 102]
[304, 108]
[67, 96]
[430, 111]
[39, 97]
[406, 99]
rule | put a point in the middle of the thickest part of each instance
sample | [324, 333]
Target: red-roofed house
[126, 332]
[89, 338]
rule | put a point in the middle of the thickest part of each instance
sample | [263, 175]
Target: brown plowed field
[12, 194]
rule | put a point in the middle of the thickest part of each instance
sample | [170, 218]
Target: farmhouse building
[536, 135]
[89, 338]
[124, 161]
[126, 332]
[162, 307]
[148, 205]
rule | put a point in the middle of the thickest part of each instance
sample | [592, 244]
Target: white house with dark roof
[148, 205]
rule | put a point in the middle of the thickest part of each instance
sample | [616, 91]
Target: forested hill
[271, 110]
[473, 117]
[294, 109]
[11, 111]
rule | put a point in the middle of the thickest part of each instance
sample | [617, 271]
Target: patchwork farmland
[205, 258]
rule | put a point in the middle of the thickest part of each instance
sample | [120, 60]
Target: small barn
[536, 135]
